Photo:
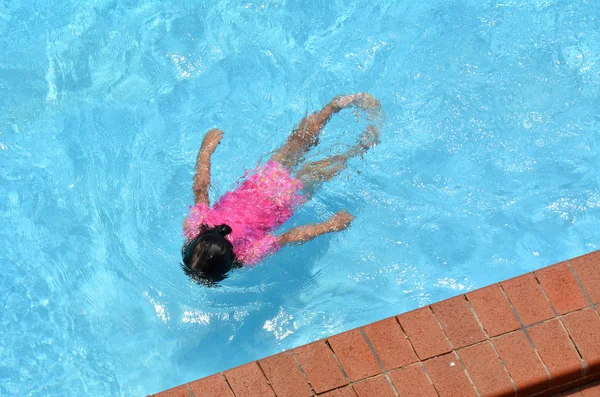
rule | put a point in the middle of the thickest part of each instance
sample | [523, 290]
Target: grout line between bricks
[572, 342]
[350, 384]
[227, 382]
[419, 361]
[560, 316]
[504, 366]
[476, 317]
[511, 306]
[334, 389]
[312, 389]
[337, 361]
[544, 293]
[441, 327]
[362, 331]
[524, 329]
[408, 339]
[428, 377]
[383, 370]
[466, 372]
[537, 353]
[190, 390]
[391, 384]
[265, 375]
[455, 353]
[585, 293]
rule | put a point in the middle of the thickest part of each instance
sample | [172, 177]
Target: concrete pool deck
[536, 334]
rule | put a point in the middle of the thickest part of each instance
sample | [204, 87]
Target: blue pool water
[488, 168]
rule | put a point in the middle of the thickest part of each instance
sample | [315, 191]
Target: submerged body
[262, 203]
[240, 228]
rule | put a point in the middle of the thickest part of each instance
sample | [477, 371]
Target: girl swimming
[238, 230]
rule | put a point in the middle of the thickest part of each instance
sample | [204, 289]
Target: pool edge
[537, 334]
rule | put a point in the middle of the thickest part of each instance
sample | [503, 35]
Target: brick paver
[390, 343]
[355, 355]
[522, 362]
[458, 322]
[526, 296]
[493, 310]
[561, 288]
[558, 354]
[424, 333]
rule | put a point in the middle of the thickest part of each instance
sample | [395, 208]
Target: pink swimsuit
[263, 202]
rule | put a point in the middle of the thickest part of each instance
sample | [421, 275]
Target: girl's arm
[300, 234]
[202, 176]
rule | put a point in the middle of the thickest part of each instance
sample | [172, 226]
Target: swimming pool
[488, 168]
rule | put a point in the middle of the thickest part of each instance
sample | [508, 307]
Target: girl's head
[208, 257]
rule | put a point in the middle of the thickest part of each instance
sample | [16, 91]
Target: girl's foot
[361, 100]
[313, 174]
[369, 138]
[366, 101]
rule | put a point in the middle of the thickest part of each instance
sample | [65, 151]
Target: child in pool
[238, 229]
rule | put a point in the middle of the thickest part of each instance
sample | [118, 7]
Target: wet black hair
[209, 256]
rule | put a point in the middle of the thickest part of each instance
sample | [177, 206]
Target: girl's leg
[306, 135]
[312, 175]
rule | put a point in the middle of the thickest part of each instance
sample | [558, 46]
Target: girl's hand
[211, 141]
[340, 221]
[300, 234]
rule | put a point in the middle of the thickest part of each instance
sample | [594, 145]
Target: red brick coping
[537, 334]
